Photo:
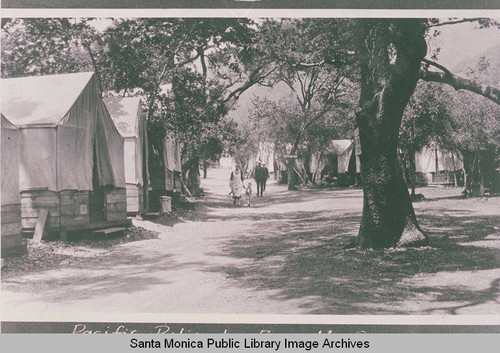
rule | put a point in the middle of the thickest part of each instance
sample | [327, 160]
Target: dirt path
[188, 269]
[283, 255]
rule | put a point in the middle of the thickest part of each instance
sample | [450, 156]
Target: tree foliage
[43, 46]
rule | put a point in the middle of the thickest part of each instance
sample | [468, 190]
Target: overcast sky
[461, 42]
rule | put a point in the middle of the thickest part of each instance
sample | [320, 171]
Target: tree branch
[307, 65]
[459, 83]
[252, 80]
[439, 66]
[454, 22]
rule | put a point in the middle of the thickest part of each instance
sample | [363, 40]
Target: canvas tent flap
[141, 148]
[425, 161]
[87, 126]
[110, 151]
[343, 150]
[343, 160]
[126, 114]
[357, 148]
[10, 163]
[37, 162]
[172, 155]
[57, 150]
[339, 147]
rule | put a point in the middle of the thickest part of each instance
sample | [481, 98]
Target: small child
[248, 193]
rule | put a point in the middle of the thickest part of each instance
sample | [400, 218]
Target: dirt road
[283, 255]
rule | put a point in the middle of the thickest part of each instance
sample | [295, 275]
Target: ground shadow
[304, 258]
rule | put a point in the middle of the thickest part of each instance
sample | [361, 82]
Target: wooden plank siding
[74, 207]
[69, 208]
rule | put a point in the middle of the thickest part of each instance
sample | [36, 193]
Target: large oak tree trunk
[391, 52]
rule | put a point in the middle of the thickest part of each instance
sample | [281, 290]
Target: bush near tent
[131, 123]
[11, 235]
[71, 154]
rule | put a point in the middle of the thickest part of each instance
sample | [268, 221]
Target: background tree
[318, 78]
[476, 130]
[392, 60]
[147, 56]
[193, 113]
[44, 46]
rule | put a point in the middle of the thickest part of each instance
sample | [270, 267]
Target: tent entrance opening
[97, 207]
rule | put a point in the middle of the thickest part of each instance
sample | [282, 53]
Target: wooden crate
[74, 207]
[134, 198]
[33, 201]
[11, 236]
[69, 209]
[116, 204]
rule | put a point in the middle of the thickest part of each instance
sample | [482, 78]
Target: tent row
[69, 154]
[340, 162]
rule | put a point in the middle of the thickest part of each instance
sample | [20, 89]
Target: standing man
[259, 178]
[265, 176]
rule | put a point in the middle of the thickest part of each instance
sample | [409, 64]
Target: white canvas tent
[71, 154]
[431, 161]
[336, 158]
[10, 197]
[343, 150]
[131, 123]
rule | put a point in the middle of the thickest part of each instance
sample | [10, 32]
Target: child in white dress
[248, 193]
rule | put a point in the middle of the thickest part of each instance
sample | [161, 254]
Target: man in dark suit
[265, 175]
[261, 174]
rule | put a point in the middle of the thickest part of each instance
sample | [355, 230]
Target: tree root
[413, 236]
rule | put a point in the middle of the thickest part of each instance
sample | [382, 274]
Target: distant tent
[264, 154]
[343, 150]
[226, 162]
[71, 154]
[337, 160]
[436, 165]
[10, 197]
[131, 123]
